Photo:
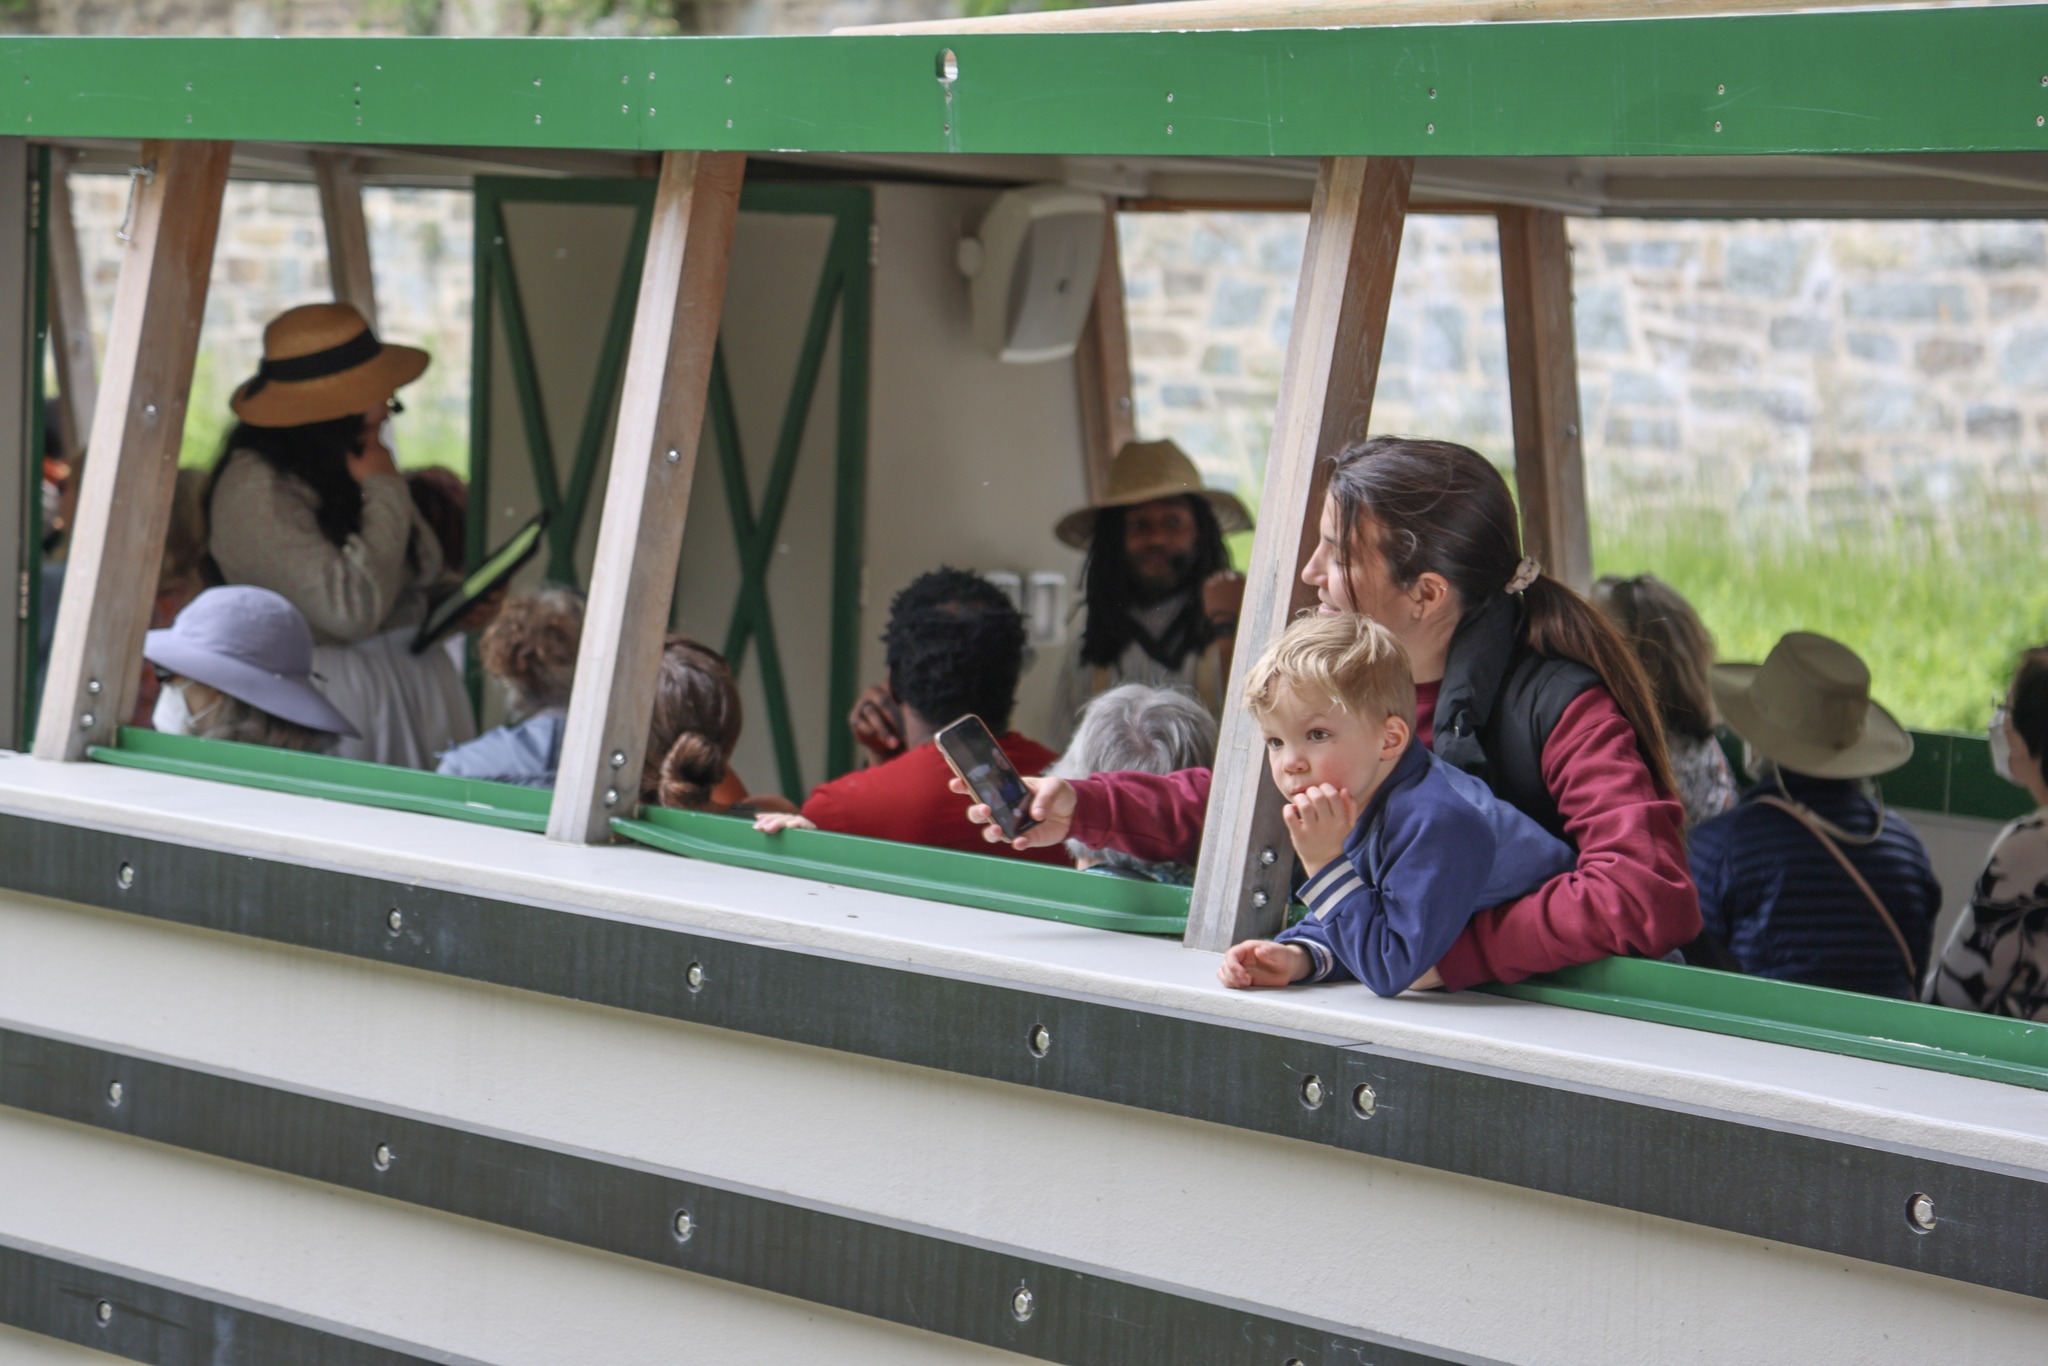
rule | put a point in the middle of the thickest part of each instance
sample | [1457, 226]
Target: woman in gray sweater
[307, 502]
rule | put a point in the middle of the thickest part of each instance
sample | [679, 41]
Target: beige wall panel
[1443, 1259]
[776, 263]
[970, 461]
[427, 1279]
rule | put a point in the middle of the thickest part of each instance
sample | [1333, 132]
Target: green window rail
[323, 775]
[1989, 1047]
[990, 882]
[1949, 774]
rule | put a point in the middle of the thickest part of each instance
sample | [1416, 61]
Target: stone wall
[1807, 373]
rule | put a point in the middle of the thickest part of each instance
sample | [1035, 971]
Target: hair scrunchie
[1525, 574]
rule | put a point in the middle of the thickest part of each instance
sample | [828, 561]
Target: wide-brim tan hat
[1807, 708]
[322, 362]
[1141, 472]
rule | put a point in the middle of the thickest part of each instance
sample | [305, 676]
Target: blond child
[1399, 848]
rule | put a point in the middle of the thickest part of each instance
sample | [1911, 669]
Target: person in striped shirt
[1400, 848]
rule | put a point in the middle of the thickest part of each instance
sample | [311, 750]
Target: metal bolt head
[383, 1157]
[1023, 1304]
[1720, 89]
[1430, 128]
[1312, 1092]
[1267, 858]
[611, 796]
[124, 876]
[1364, 1100]
[673, 455]
[149, 412]
[1169, 97]
[1259, 899]
[114, 1093]
[618, 758]
[684, 1226]
[1169, 129]
[395, 919]
[1039, 1041]
[1920, 1212]
[694, 976]
[1717, 125]
[92, 687]
[88, 721]
[103, 1312]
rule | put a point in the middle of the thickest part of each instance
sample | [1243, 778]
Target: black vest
[1499, 702]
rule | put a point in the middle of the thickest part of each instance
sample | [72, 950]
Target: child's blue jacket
[1432, 847]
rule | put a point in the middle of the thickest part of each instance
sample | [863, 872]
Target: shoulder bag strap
[1805, 818]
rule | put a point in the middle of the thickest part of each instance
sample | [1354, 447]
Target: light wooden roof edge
[1182, 15]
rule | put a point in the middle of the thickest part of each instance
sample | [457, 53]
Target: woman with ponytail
[693, 732]
[1519, 680]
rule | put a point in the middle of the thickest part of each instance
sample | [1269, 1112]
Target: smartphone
[988, 773]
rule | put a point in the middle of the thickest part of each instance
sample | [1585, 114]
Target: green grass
[1939, 615]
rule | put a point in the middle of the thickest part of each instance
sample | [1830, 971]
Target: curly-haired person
[955, 645]
[530, 648]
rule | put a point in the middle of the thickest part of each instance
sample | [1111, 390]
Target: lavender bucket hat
[253, 645]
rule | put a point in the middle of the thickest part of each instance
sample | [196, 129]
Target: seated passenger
[1137, 729]
[237, 665]
[955, 645]
[690, 740]
[1677, 654]
[181, 572]
[531, 650]
[1161, 596]
[307, 502]
[1997, 956]
[1400, 848]
[1789, 880]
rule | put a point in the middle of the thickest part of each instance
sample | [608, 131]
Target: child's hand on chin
[1319, 820]
[1262, 963]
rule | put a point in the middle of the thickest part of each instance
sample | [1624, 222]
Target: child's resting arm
[1438, 859]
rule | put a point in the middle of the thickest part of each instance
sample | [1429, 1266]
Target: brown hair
[1441, 508]
[530, 646]
[1351, 660]
[1672, 644]
[696, 723]
[2028, 701]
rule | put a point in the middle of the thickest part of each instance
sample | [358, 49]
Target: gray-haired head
[1134, 728]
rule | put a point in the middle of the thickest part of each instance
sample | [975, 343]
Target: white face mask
[2001, 747]
[172, 715]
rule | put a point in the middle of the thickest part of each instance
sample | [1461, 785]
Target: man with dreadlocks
[1162, 599]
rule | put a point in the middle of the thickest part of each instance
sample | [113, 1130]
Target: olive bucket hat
[322, 362]
[1807, 708]
[1141, 472]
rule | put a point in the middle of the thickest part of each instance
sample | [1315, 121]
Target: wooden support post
[1333, 360]
[124, 504]
[78, 385]
[1543, 384]
[654, 456]
[340, 178]
[1102, 368]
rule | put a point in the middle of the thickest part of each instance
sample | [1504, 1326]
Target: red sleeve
[1631, 892]
[1155, 817]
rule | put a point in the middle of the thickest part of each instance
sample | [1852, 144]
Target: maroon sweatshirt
[1631, 892]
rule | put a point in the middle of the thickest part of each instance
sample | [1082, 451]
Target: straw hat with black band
[322, 362]
[1807, 708]
[1144, 471]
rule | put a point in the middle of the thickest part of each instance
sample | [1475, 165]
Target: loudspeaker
[1033, 271]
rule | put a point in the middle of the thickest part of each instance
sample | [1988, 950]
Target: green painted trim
[604, 390]
[28, 693]
[540, 446]
[990, 882]
[1893, 80]
[850, 485]
[323, 775]
[1961, 1042]
[1949, 775]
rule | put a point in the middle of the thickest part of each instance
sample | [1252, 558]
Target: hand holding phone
[975, 758]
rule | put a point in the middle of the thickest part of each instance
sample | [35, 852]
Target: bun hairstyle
[1441, 508]
[695, 725]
